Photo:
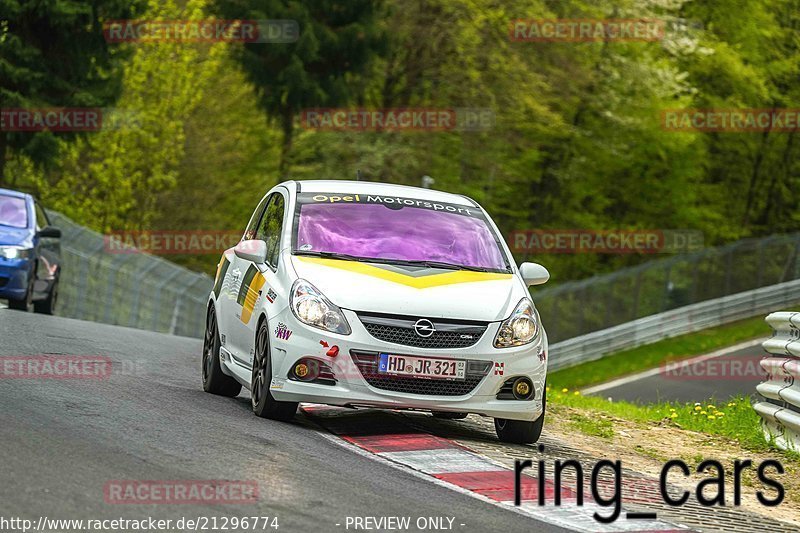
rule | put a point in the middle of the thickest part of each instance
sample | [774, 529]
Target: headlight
[311, 307]
[15, 252]
[520, 328]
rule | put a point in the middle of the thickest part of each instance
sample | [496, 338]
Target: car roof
[384, 189]
[15, 194]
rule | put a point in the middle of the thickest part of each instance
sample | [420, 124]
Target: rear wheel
[214, 380]
[521, 431]
[264, 405]
[48, 305]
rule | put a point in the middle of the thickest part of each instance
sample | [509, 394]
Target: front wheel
[264, 405]
[521, 431]
[215, 380]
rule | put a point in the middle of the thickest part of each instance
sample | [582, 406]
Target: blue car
[30, 254]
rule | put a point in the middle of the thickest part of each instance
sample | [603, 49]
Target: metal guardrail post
[667, 289]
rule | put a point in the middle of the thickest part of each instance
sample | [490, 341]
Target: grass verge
[735, 419]
[652, 355]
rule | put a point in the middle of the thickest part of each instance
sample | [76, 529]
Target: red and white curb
[452, 465]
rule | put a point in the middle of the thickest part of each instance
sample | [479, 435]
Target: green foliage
[734, 418]
[577, 140]
[53, 54]
[112, 179]
[337, 41]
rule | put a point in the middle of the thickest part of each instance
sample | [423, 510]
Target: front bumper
[14, 278]
[352, 389]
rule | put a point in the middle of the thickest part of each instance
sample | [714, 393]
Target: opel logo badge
[424, 327]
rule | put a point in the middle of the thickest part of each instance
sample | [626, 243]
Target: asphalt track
[63, 440]
[726, 373]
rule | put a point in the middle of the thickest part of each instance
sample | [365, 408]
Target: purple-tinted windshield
[410, 234]
[13, 212]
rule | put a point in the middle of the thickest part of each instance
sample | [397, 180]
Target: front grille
[400, 330]
[367, 363]
[506, 392]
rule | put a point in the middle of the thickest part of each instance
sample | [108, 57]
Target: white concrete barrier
[779, 405]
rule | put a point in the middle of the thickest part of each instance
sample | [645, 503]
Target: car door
[259, 283]
[48, 252]
[227, 284]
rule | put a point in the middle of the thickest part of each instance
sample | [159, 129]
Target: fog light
[523, 388]
[301, 370]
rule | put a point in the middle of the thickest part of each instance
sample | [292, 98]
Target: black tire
[264, 405]
[26, 303]
[521, 431]
[444, 415]
[214, 380]
[48, 305]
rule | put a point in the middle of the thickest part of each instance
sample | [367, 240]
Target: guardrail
[576, 308]
[672, 323]
[779, 406]
[127, 289]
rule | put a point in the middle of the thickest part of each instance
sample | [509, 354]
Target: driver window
[250, 231]
[270, 228]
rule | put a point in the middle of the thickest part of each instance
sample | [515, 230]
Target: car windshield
[13, 212]
[396, 231]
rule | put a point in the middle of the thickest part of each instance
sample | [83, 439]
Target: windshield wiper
[409, 262]
[335, 255]
[440, 264]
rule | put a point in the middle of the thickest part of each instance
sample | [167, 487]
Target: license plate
[424, 367]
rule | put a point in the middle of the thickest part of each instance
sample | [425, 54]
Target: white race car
[356, 294]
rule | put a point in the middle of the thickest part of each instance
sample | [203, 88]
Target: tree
[337, 41]
[53, 54]
[113, 178]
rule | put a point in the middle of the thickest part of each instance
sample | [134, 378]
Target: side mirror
[252, 250]
[50, 232]
[534, 273]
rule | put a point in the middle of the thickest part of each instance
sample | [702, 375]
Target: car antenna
[358, 175]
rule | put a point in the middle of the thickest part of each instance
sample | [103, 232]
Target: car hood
[417, 291]
[14, 236]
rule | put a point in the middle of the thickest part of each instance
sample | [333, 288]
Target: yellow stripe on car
[251, 296]
[421, 282]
